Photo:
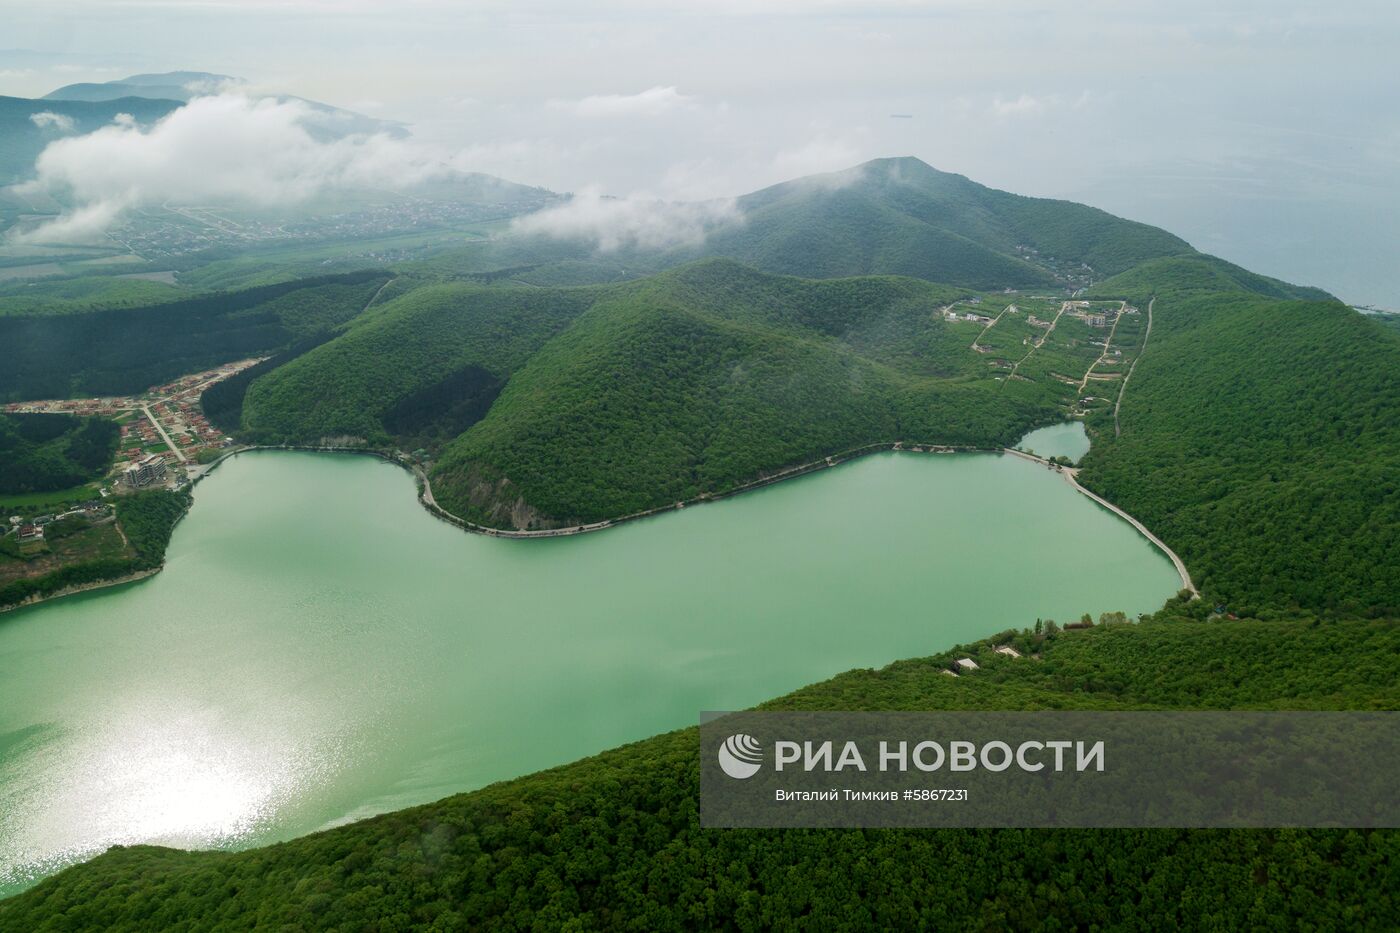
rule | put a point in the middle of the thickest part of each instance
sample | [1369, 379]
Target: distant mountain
[81, 108]
[903, 217]
[27, 126]
[885, 217]
[172, 85]
[328, 121]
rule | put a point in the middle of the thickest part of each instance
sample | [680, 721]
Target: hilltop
[883, 217]
[28, 125]
[903, 217]
[184, 86]
[695, 380]
[170, 85]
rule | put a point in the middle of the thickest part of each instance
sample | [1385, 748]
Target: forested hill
[903, 217]
[127, 350]
[42, 452]
[884, 217]
[1261, 440]
[713, 375]
[614, 842]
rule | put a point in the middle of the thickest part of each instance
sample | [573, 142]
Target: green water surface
[319, 648]
[1067, 439]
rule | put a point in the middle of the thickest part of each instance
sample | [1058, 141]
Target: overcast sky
[1268, 133]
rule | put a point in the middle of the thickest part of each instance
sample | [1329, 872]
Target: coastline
[99, 584]
[82, 588]
[1072, 476]
[429, 502]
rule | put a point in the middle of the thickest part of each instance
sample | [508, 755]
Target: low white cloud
[46, 119]
[236, 149]
[649, 103]
[1033, 104]
[213, 85]
[86, 224]
[1024, 104]
[222, 149]
[616, 223]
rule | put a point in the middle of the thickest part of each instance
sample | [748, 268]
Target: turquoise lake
[319, 648]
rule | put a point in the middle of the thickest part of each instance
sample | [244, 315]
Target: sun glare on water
[187, 778]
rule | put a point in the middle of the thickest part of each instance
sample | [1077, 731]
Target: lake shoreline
[429, 502]
[82, 588]
[394, 633]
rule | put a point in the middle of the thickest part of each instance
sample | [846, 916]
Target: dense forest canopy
[707, 377]
[123, 351]
[1261, 440]
[44, 452]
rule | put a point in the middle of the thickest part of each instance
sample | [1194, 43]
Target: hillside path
[983, 332]
[1103, 357]
[1118, 431]
[1037, 344]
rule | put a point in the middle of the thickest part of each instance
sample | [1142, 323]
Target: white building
[146, 472]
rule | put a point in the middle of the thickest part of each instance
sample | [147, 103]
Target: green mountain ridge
[903, 217]
[884, 217]
[170, 85]
[128, 350]
[709, 375]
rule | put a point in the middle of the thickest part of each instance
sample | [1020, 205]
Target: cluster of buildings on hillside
[173, 407]
[73, 406]
[144, 431]
[951, 314]
[185, 388]
[1098, 318]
